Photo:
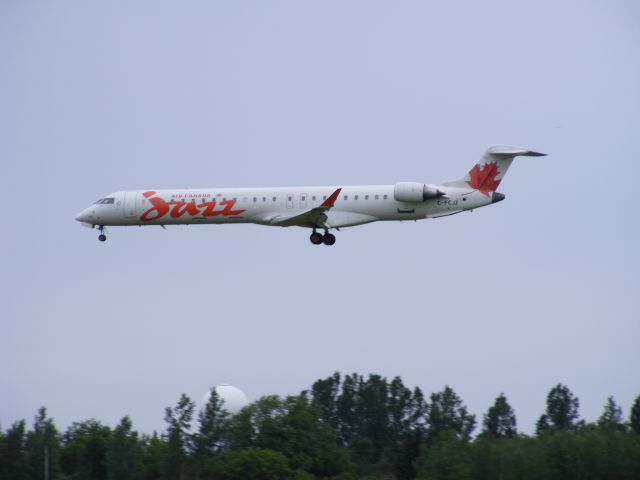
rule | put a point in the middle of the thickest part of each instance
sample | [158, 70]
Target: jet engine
[415, 192]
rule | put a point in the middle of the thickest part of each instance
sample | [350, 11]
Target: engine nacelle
[415, 192]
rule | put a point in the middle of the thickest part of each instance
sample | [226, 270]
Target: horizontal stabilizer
[512, 151]
[486, 175]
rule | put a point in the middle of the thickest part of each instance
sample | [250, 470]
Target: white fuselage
[355, 205]
[322, 208]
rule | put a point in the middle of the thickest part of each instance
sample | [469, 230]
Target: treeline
[348, 427]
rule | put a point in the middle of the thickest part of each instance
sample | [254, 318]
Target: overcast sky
[542, 288]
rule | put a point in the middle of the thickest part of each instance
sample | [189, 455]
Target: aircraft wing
[315, 217]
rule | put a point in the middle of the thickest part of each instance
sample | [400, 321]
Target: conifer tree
[211, 420]
[325, 395]
[500, 420]
[84, 450]
[611, 417]
[13, 460]
[42, 447]
[561, 412]
[446, 412]
[179, 438]
[124, 456]
[634, 417]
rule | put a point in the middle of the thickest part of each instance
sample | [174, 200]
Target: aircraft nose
[83, 217]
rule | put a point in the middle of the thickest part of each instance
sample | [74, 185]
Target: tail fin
[486, 175]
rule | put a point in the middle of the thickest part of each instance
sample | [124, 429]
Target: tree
[209, 439]
[446, 458]
[179, 438]
[124, 456]
[634, 417]
[447, 413]
[374, 416]
[562, 410]
[406, 411]
[346, 408]
[13, 461]
[42, 447]
[250, 464]
[611, 417]
[84, 450]
[293, 426]
[212, 419]
[500, 420]
[325, 395]
[154, 450]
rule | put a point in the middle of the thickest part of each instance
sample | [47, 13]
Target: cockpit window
[103, 201]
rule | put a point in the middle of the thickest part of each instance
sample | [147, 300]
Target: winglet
[328, 203]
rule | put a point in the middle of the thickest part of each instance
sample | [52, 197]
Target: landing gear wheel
[102, 237]
[316, 238]
[328, 238]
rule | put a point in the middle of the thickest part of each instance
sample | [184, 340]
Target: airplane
[318, 208]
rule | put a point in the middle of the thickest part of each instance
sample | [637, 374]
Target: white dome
[234, 398]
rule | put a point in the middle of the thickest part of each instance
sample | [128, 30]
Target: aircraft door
[130, 204]
[290, 200]
[303, 200]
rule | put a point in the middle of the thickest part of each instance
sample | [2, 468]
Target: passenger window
[274, 199]
[385, 197]
[289, 198]
[377, 197]
[324, 197]
[264, 199]
[356, 197]
[255, 199]
[346, 197]
[366, 197]
[313, 198]
[303, 198]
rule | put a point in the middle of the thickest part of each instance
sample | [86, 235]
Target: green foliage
[124, 456]
[446, 413]
[179, 439]
[634, 417]
[345, 428]
[500, 420]
[250, 464]
[209, 440]
[325, 393]
[562, 411]
[84, 450]
[380, 422]
[154, 451]
[611, 417]
[42, 447]
[447, 457]
[294, 427]
[13, 454]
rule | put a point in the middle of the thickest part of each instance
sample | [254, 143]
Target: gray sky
[104, 96]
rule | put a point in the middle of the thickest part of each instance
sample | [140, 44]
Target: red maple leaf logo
[483, 178]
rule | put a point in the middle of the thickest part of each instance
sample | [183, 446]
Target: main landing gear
[102, 237]
[327, 238]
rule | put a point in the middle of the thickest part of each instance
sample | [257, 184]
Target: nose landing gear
[102, 237]
[327, 238]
